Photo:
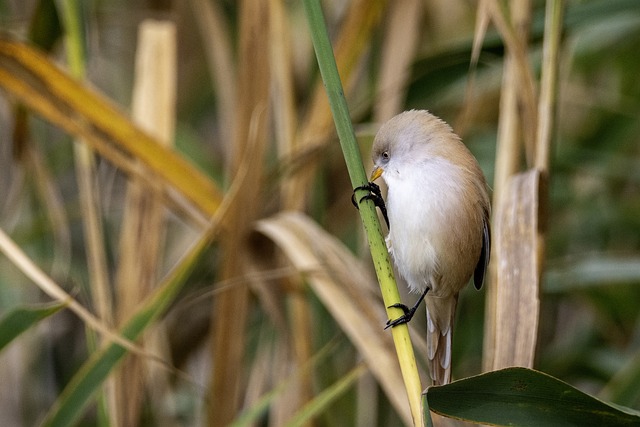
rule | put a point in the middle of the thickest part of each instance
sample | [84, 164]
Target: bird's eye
[385, 154]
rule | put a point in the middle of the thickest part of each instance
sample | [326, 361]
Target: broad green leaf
[23, 318]
[524, 397]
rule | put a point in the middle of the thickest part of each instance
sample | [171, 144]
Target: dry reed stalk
[143, 228]
[515, 33]
[86, 181]
[89, 196]
[507, 161]
[520, 198]
[518, 273]
[93, 231]
[219, 56]
[507, 158]
[513, 313]
[480, 30]
[54, 209]
[298, 310]
[548, 82]
[230, 308]
[283, 98]
[399, 46]
[554, 14]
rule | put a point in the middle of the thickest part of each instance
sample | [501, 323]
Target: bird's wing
[485, 254]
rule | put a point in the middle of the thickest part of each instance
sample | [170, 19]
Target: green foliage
[526, 398]
[21, 319]
[82, 388]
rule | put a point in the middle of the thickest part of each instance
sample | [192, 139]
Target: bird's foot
[408, 312]
[405, 318]
[374, 195]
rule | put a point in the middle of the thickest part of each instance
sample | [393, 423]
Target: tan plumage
[438, 208]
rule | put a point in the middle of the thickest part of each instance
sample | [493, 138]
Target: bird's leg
[408, 312]
[374, 195]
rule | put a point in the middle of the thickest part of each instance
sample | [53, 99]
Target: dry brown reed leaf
[347, 290]
[230, 308]
[399, 45]
[143, 227]
[518, 272]
[35, 81]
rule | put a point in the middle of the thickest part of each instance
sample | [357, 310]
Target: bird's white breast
[422, 219]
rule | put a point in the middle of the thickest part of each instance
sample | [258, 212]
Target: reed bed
[179, 245]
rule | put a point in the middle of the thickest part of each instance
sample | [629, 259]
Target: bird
[438, 209]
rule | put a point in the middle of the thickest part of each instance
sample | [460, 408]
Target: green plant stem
[379, 253]
[73, 39]
[554, 16]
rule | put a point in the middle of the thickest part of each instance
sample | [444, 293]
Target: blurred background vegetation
[251, 337]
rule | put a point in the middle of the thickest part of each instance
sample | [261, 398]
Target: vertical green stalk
[83, 159]
[73, 37]
[379, 253]
[554, 14]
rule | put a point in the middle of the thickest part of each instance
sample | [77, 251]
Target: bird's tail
[440, 316]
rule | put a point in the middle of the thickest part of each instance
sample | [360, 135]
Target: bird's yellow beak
[375, 174]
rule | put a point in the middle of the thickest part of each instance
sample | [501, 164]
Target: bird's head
[411, 139]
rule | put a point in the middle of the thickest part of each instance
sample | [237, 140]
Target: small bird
[438, 207]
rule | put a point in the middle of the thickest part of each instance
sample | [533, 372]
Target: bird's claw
[375, 195]
[408, 312]
[405, 318]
